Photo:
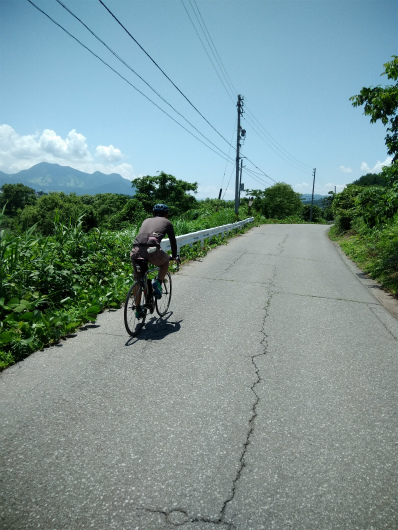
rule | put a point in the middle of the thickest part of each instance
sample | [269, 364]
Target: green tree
[371, 179]
[327, 203]
[381, 103]
[277, 202]
[344, 207]
[390, 173]
[131, 213]
[108, 205]
[43, 212]
[318, 214]
[15, 197]
[165, 189]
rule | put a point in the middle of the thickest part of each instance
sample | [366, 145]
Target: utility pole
[312, 198]
[240, 133]
[240, 177]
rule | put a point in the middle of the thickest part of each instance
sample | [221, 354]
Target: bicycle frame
[146, 284]
[141, 292]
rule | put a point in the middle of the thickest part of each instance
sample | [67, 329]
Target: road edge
[385, 298]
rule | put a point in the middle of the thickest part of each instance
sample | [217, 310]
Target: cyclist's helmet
[160, 209]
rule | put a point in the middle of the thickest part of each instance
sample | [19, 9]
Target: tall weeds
[52, 285]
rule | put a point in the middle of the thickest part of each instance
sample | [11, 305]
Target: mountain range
[53, 177]
[306, 198]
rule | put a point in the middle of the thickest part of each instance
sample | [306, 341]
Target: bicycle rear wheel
[136, 300]
[163, 303]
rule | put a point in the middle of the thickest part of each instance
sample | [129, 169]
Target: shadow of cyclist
[156, 328]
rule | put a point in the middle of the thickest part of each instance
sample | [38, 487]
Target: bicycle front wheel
[163, 303]
[135, 309]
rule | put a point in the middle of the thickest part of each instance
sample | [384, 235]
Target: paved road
[267, 400]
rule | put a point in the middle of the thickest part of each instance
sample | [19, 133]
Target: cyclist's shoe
[157, 288]
[139, 312]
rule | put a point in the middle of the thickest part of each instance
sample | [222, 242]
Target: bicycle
[141, 300]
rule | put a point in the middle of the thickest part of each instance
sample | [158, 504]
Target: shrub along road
[267, 399]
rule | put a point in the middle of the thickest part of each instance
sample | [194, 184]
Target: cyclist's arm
[173, 242]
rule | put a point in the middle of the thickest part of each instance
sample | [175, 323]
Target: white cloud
[74, 147]
[109, 154]
[303, 187]
[19, 152]
[365, 168]
[345, 169]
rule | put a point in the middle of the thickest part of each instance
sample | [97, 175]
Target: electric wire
[258, 129]
[226, 189]
[138, 75]
[281, 151]
[226, 164]
[164, 73]
[225, 73]
[274, 148]
[228, 89]
[223, 155]
[257, 181]
[262, 172]
[256, 177]
[207, 53]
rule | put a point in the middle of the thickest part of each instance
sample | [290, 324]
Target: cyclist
[147, 246]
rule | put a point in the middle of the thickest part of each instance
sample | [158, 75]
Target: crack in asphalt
[375, 303]
[243, 280]
[179, 517]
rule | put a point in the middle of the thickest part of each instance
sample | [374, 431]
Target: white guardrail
[193, 237]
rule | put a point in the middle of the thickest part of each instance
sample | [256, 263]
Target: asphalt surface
[267, 399]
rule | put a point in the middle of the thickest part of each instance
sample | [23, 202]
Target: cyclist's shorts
[157, 258]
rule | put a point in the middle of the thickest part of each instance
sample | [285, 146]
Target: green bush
[317, 213]
[344, 208]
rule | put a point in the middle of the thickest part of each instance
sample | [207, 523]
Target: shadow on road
[156, 328]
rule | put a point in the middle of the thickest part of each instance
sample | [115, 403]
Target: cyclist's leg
[160, 259]
[138, 257]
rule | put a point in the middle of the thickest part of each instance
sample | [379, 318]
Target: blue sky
[295, 62]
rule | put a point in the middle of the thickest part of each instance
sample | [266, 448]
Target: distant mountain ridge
[307, 197]
[53, 177]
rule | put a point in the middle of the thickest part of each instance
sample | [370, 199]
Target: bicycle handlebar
[178, 261]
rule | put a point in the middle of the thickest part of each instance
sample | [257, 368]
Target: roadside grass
[375, 251]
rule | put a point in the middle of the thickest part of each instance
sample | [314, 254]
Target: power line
[138, 75]
[269, 140]
[164, 73]
[275, 148]
[226, 76]
[258, 181]
[281, 151]
[127, 81]
[227, 89]
[256, 177]
[226, 189]
[263, 172]
[225, 170]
